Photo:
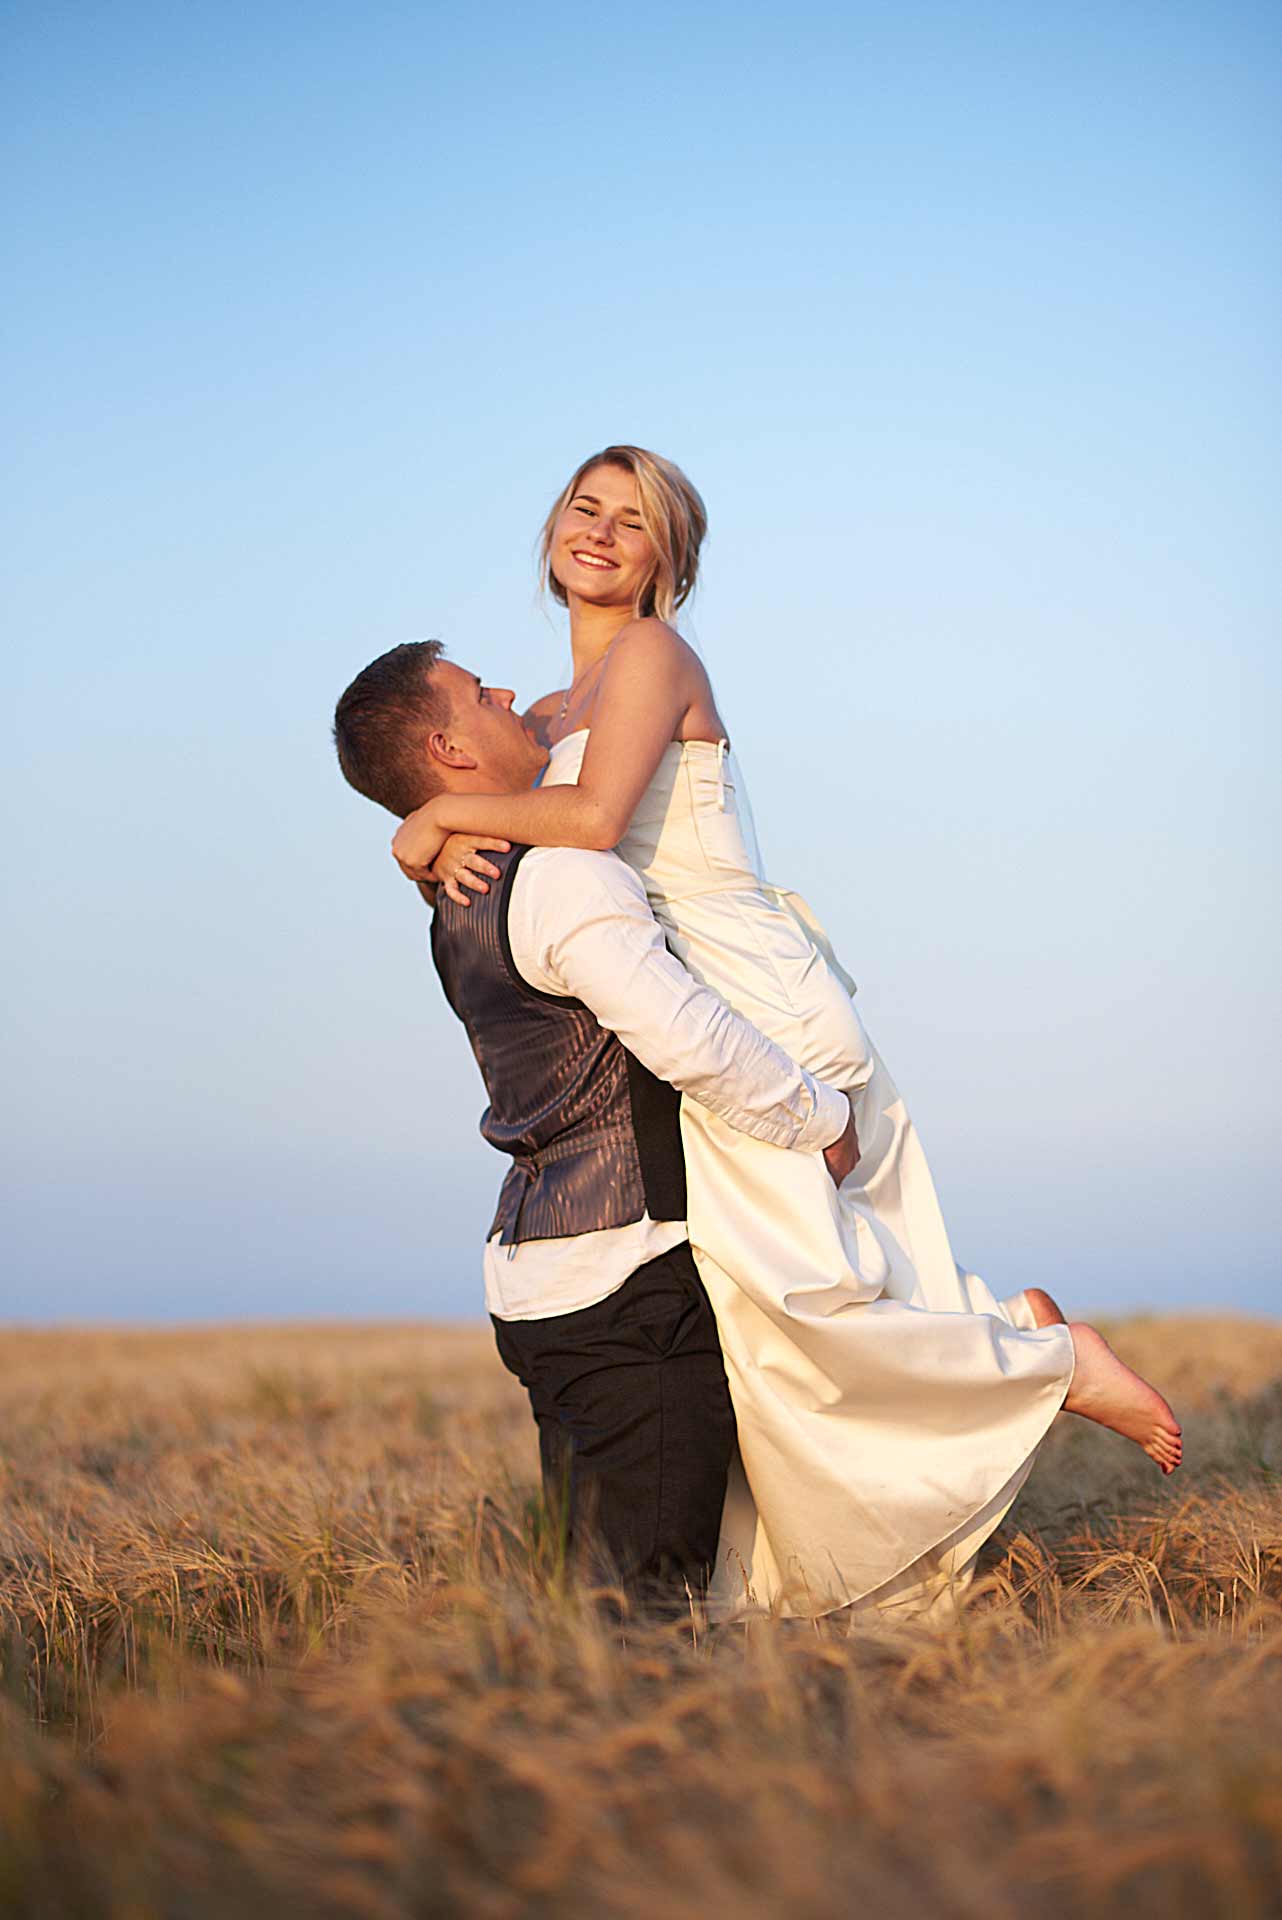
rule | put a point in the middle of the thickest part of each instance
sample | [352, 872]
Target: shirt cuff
[829, 1120]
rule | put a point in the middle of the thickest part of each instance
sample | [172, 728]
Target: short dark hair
[382, 725]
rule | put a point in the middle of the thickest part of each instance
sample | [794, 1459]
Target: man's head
[413, 725]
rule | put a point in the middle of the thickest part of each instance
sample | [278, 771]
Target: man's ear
[441, 748]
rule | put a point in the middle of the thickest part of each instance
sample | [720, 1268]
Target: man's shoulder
[542, 863]
[565, 903]
[567, 882]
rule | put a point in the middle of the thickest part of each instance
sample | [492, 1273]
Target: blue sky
[964, 319]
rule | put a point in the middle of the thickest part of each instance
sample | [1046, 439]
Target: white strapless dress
[888, 1405]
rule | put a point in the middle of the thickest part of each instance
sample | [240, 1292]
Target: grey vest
[594, 1137]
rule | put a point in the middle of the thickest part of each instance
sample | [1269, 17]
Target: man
[586, 1031]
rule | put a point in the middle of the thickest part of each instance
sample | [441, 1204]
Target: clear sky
[965, 320]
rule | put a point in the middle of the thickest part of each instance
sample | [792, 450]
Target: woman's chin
[597, 589]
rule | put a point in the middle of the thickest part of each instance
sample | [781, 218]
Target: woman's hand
[842, 1156]
[417, 841]
[459, 864]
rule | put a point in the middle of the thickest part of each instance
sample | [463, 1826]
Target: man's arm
[580, 926]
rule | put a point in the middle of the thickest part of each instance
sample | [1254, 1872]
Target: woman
[888, 1405]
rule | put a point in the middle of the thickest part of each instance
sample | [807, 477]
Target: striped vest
[593, 1136]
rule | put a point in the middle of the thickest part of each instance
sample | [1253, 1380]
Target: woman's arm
[646, 691]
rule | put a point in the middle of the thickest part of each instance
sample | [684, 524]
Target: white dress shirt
[579, 925]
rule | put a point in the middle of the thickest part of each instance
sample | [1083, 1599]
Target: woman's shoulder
[651, 647]
[651, 664]
[648, 634]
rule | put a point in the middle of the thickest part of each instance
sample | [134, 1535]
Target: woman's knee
[1046, 1311]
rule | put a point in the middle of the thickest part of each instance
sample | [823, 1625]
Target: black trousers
[636, 1429]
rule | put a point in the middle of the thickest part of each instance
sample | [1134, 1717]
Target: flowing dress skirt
[888, 1405]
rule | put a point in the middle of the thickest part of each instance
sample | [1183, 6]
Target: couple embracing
[718, 1263]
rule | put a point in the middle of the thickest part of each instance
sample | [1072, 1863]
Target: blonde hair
[672, 514]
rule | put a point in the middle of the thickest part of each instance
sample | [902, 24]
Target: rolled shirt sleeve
[580, 927]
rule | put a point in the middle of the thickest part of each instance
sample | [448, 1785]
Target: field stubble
[281, 1633]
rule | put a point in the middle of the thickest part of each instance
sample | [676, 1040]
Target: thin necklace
[570, 690]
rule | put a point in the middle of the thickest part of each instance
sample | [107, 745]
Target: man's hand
[842, 1157]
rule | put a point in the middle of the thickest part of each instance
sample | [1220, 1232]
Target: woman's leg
[1045, 1311]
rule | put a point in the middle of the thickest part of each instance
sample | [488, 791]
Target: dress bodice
[692, 831]
[693, 843]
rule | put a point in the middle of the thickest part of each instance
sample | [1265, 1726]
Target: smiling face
[486, 730]
[599, 550]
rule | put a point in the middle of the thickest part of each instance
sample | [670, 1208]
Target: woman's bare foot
[1045, 1310]
[1104, 1388]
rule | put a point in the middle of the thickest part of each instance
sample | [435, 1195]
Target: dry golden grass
[281, 1635]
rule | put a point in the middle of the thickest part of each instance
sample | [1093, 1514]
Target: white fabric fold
[888, 1405]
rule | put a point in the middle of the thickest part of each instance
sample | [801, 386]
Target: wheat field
[282, 1635]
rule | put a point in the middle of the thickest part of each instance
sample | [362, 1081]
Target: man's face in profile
[485, 724]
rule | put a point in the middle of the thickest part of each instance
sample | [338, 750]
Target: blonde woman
[888, 1405]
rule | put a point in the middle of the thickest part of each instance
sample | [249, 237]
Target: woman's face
[600, 551]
